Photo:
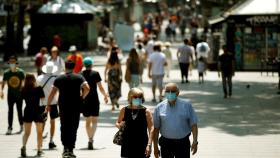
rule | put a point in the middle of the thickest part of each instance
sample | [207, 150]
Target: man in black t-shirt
[70, 86]
[226, 66]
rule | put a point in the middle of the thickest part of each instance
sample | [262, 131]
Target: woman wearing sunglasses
[137, 137]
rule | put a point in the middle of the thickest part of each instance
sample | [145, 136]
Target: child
[32, 94]
[201, 67]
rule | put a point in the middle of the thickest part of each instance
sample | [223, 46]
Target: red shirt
[78, 60]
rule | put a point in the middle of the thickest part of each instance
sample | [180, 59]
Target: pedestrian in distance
[138, 122]
[168, 56]
[73, 89]
[226, 66]
[157, 61]
[185, 59]
[175, 119]
[91, 104]
[113, 75]
[32, 94]
[77, 58]
[46, 81]
[14, 78]
[201, 68]
[133, 66]
[41, 59]
[57, 60]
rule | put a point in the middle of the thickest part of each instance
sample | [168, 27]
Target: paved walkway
[244, 126]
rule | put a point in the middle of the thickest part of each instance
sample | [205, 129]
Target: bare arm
[85, 90]
[155, 137]
[149, 70]
[103, 92]
[120, 122]
[195, 142]
[50, 98]
[2, 89]
[149, 119]
[105, 72]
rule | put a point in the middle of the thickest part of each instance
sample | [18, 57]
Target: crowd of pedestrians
[48, 95]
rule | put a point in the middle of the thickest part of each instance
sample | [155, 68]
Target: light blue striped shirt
[174, 122]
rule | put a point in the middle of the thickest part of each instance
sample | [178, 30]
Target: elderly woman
[137, 119]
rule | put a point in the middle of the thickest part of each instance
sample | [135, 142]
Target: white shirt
[41, 80]
[59, 62]
[157, 59]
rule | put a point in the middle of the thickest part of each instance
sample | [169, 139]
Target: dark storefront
[253, 36]
[255, 40]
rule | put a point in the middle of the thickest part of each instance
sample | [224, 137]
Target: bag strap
[47, 80]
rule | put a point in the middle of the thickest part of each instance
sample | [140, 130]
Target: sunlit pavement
[245, 126]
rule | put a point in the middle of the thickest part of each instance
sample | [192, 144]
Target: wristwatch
[195, 142]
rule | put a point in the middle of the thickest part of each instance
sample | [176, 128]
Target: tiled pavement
[244, 126]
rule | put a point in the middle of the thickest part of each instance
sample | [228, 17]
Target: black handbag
[118, 137]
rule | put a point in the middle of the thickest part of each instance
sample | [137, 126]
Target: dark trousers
[69, 125]
[178, 148]
[184, 67]
[227, 82]
[12, 99]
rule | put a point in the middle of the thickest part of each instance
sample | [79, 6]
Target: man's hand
[2, 95]
[106, 98]
[47, 109]
[194, 147]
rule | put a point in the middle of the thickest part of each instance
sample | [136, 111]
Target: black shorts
[31, 115]
[90, 109]
[54, 111]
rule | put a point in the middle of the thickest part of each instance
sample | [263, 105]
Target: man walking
[226, 66]
[46, 81]
[175, 120]
[72, 88]
[14, 77]
[185, 57]
[157, 61]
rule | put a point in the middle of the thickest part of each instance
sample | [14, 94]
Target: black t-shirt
[69, 86]
[32, 97]
[226, 62]
[92, 77]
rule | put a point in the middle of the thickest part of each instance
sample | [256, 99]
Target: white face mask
[12, 66]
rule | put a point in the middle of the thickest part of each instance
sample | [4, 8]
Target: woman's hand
[148, 150]
[121, 124]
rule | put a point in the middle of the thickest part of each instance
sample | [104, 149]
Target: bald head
[171, 87]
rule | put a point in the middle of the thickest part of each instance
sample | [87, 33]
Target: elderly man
[175, 120]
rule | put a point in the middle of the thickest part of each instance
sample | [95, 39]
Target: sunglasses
[137, 97]
[170, 91]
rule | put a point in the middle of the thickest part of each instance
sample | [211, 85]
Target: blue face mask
[137, 101]
[12, 66]
[171, 96]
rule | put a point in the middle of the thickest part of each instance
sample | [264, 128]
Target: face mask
[171, 96]
[12, 66]
[136, 101]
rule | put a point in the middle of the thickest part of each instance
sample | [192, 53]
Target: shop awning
[68, 7]
[216, 20]
[256, 7]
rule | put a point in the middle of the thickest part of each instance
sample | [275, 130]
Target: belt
[176, 140]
